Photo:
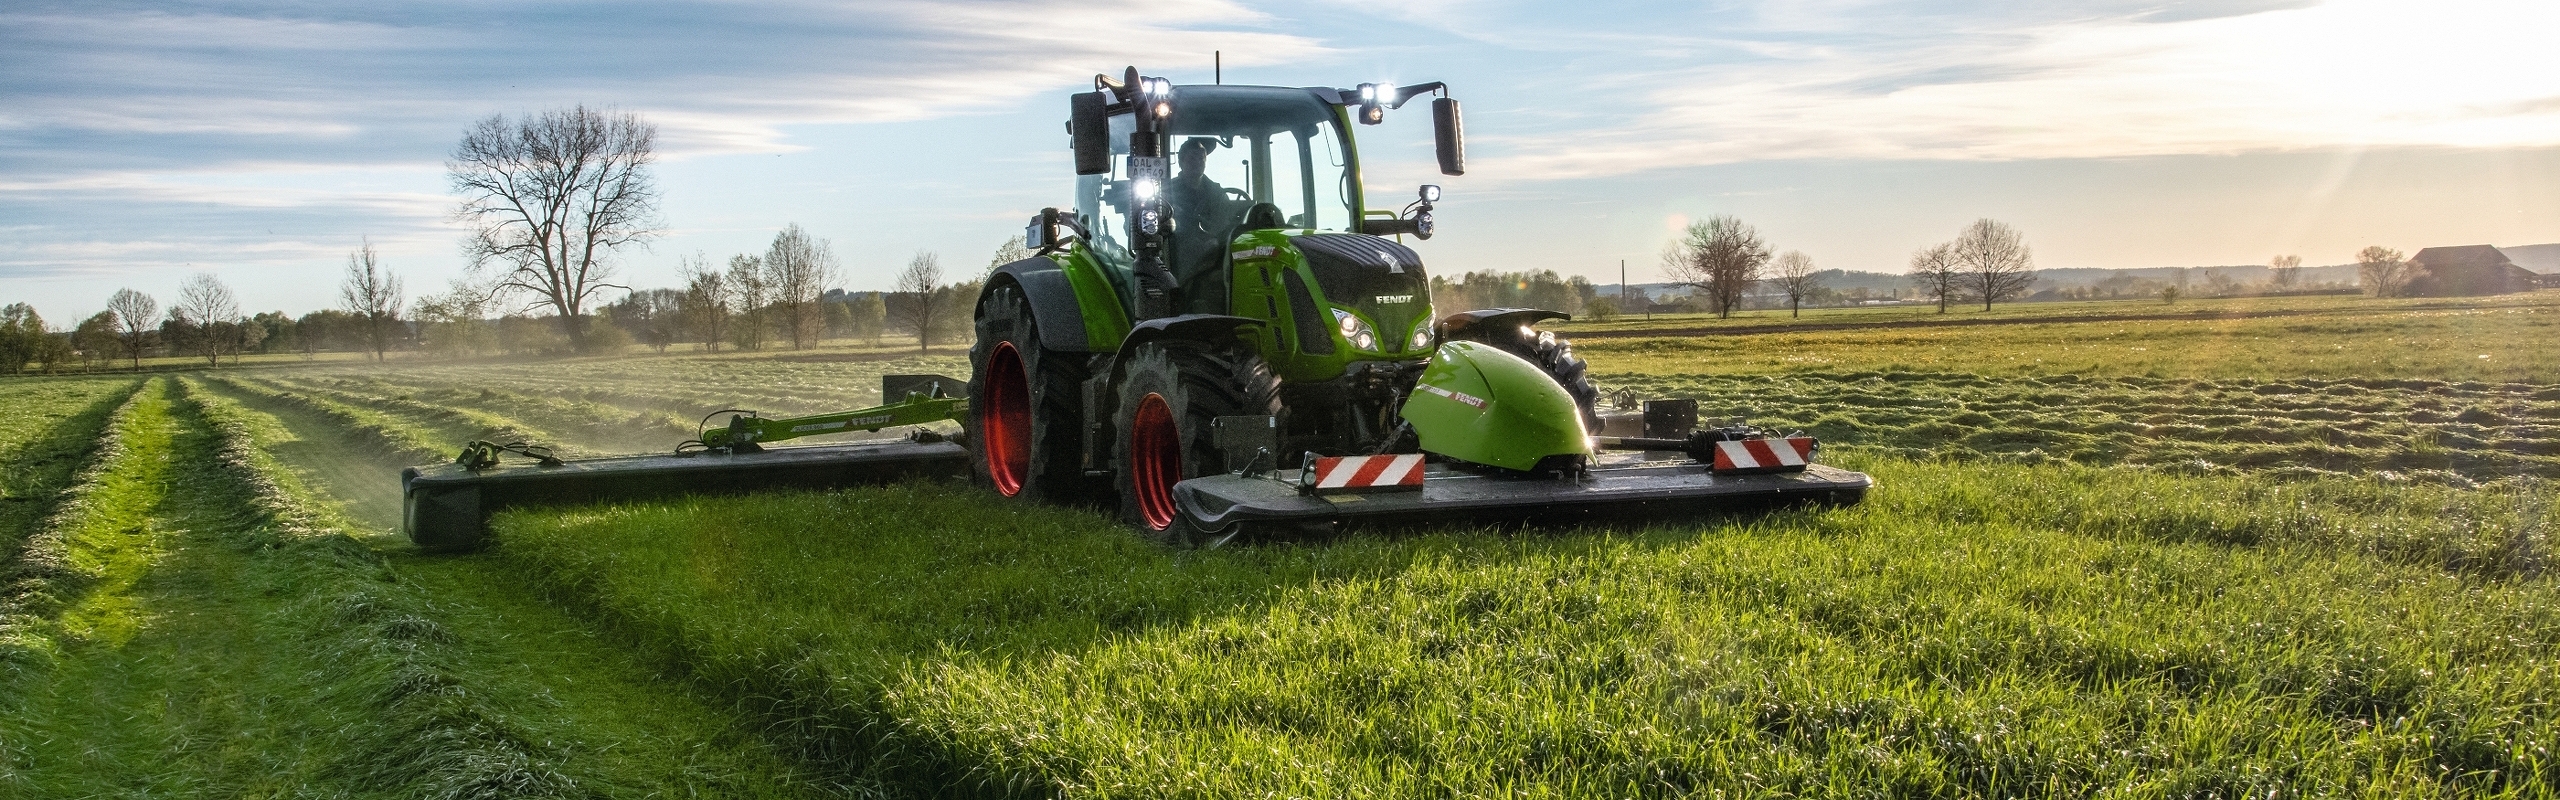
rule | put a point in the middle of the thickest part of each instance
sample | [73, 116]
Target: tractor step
[447, 507]
[1617, 488]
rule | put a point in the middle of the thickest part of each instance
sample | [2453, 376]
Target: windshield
[1236, 147]
[1272, 156]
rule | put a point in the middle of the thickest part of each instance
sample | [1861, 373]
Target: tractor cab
[1244, 158]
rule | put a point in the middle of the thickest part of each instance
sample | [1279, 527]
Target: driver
[1205, 215]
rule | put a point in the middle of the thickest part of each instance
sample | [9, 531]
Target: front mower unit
[1617, 487]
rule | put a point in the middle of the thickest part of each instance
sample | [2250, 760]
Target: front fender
[1493, 318]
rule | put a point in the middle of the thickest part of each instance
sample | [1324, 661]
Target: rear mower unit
[1221, 333]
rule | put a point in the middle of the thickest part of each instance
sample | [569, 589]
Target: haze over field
[141, 142]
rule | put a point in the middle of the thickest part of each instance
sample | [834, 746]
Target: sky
[264, 140]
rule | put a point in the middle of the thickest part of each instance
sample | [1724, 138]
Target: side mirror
[1049, 230]
[1447, 138]
[1090, 126]
[1040, 235]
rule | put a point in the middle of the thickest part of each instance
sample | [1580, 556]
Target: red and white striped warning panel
[1764, 455]
[1363, 474]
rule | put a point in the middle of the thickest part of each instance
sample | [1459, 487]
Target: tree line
[1725, 259]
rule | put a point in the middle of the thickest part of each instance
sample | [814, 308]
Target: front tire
[1171, 395]
[1025, 408]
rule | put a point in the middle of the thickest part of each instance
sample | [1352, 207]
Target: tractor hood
[1375, 277]
[1477, 403]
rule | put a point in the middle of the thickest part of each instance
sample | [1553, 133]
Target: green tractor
[1220, 333]
[1223, 299]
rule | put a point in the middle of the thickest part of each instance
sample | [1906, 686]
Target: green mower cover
[1477, 403]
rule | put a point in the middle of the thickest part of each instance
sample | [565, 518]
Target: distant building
[2474, 269]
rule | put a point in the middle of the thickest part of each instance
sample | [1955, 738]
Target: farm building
[2466, 270]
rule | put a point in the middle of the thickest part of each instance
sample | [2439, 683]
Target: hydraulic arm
[746, 431]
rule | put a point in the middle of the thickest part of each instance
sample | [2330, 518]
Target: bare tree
[550, 197]
[1721, 257]
[2382, 270]
[1794, 274]
[372, 294]
[751, 323]
[706, 301]
[1936, 272]
[135, 314]
[209, 315]
[911, 303]
[798, 269]
[1995, 261]
[2287, 272]
[1011, 251]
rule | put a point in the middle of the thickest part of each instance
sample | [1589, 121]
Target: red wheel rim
[1004, 420]
[1155, 461]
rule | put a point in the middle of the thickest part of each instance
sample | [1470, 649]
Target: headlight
[1421, 337]
[1355, 330]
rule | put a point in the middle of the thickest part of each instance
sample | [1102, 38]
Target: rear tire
[1553, 355]
[1169, 397]
[1025, 409]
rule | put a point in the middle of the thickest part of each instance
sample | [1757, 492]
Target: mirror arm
[1404, 93]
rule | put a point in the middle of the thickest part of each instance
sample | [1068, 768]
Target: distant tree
[282, 334]
[870, 314]
[798, 269]
[707, 302]
[2286, 272]
[751, 325]
[1600, 309]
[2218, 284]
[550, 197]
[912, 304]
[954, 306]
[1995, 261]
[455, 323]
[1721, 256]
[1011, 251]
[22, 333]
[652, 317]
[1938, 273]
[372, 294]
[98, 339]
[2382, 270]
[1794, 274]
[136, 314]
[208, 322]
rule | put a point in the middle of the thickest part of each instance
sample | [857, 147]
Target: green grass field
[2261, 548]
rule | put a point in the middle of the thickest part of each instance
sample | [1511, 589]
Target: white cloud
[2347, 73]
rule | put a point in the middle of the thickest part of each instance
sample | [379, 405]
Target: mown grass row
[589, 425]
[2349, 338]
[1973, 630]
[52, 427]
[686, 387]
[40, 569]
[391, 436]
[2426, 430]
[210, 632]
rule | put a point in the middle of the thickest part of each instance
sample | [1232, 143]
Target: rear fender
[1492, 318]
[1076, 312]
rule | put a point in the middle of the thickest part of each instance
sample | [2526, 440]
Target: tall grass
[1978, 630]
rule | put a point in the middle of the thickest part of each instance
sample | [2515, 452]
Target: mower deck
[447, 506]
[1618, 488]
